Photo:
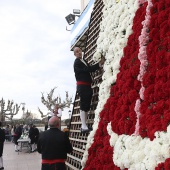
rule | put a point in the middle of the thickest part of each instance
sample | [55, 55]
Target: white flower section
[97, 56]
[115, 28]
[134, 152]
[114, 136]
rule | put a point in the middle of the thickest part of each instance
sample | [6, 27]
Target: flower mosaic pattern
[131, 126]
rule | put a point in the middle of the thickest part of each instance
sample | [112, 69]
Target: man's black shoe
[84, 130]
[90, 128]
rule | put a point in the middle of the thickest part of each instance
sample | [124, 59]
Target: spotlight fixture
[76, 11]
[70, 19]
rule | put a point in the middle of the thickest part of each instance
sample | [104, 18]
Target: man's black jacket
[2, 136]
[31, 133]
[2, 139]
[82, 72]
[18, 131]
[54, 144]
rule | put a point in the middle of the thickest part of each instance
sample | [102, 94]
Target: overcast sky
[35, 51]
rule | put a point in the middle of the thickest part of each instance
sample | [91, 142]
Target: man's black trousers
[55, 166]
[85, 92]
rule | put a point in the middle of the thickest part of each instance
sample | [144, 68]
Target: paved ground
[22, 161]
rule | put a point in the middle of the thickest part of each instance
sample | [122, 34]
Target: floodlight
[76, 11]
[70, 19]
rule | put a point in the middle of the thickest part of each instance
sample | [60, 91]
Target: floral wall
[131, 126]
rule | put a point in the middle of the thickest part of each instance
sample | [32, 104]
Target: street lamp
[23, 109]
[69, 114]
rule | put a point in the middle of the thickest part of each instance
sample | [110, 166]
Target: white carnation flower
[97, 56]
[113, 139]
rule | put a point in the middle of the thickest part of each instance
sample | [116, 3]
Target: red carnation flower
[148, 79]
[167, 164]
[154, 33]
[148, 94]
[160, 166]
[133, 95]
[161, 7]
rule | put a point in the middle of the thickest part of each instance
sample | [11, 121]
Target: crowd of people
[54, 140]
[14, 132]
[53, 143]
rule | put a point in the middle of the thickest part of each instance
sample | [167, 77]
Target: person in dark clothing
[54, 145]
[36, 136]
[83, 77]
[32, 137]
[2, 139]
[46, 126]
[7, 133]
[17, 135]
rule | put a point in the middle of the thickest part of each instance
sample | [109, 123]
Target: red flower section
[124, 94]
[164, 166]
[155, 108]
[119, 108]
[100, 158]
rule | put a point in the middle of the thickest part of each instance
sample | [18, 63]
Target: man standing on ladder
[82, 74]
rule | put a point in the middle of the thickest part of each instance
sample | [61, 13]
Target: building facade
[84, 4]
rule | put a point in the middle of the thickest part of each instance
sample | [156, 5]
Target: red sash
[83, 83]
[53, 161]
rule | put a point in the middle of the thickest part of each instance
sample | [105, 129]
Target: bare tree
[50, 102]
[8, 112]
